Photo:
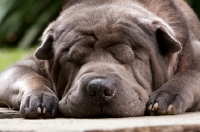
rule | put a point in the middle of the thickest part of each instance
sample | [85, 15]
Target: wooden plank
[170, 123]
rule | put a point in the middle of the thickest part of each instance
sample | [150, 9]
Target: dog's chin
[122, 104]
[96, 112]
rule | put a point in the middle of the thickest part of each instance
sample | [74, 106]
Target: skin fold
[110, 58]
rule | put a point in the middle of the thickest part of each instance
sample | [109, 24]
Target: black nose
[100, 87]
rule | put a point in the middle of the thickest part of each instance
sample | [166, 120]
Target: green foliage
[22, 21]
[195, 4]
[9, 56]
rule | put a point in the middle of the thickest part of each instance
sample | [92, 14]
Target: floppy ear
[166, 40]
[45, 51]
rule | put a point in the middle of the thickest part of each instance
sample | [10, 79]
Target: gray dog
[110, 58]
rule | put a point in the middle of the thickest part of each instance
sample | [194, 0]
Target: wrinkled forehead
[110, 7]
[84, 14]
[110, 24]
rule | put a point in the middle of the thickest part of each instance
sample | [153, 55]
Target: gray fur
[113, 58]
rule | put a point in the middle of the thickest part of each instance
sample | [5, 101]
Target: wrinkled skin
[110, 58]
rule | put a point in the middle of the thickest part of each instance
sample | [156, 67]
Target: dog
[110, 58]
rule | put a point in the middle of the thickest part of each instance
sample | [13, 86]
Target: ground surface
[188, 122]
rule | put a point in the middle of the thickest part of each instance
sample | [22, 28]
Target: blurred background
[23, 21]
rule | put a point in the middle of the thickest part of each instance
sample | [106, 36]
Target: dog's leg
[179, 94]
[23, 88]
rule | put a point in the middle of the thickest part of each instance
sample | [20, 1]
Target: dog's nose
[100, 87]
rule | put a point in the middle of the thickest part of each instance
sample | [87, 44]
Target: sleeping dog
[110, 58]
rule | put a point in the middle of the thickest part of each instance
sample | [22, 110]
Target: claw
[44, 110]
[150, 107]
[155, 107]
[169, 110]
[39, 110]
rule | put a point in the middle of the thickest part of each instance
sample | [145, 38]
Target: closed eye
[122, 52]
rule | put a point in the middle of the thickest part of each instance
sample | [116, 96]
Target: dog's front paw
[40, 104]
[163, 102]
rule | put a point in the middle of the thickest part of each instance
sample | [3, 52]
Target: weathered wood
[187, 122]
[175, 128]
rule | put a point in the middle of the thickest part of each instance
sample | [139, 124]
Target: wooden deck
[187, 122]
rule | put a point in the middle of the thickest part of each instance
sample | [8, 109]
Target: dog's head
[106, 58]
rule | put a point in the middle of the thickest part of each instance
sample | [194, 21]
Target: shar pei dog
[110, 58]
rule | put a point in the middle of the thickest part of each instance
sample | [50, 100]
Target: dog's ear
[45, 51]
[166, 39]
